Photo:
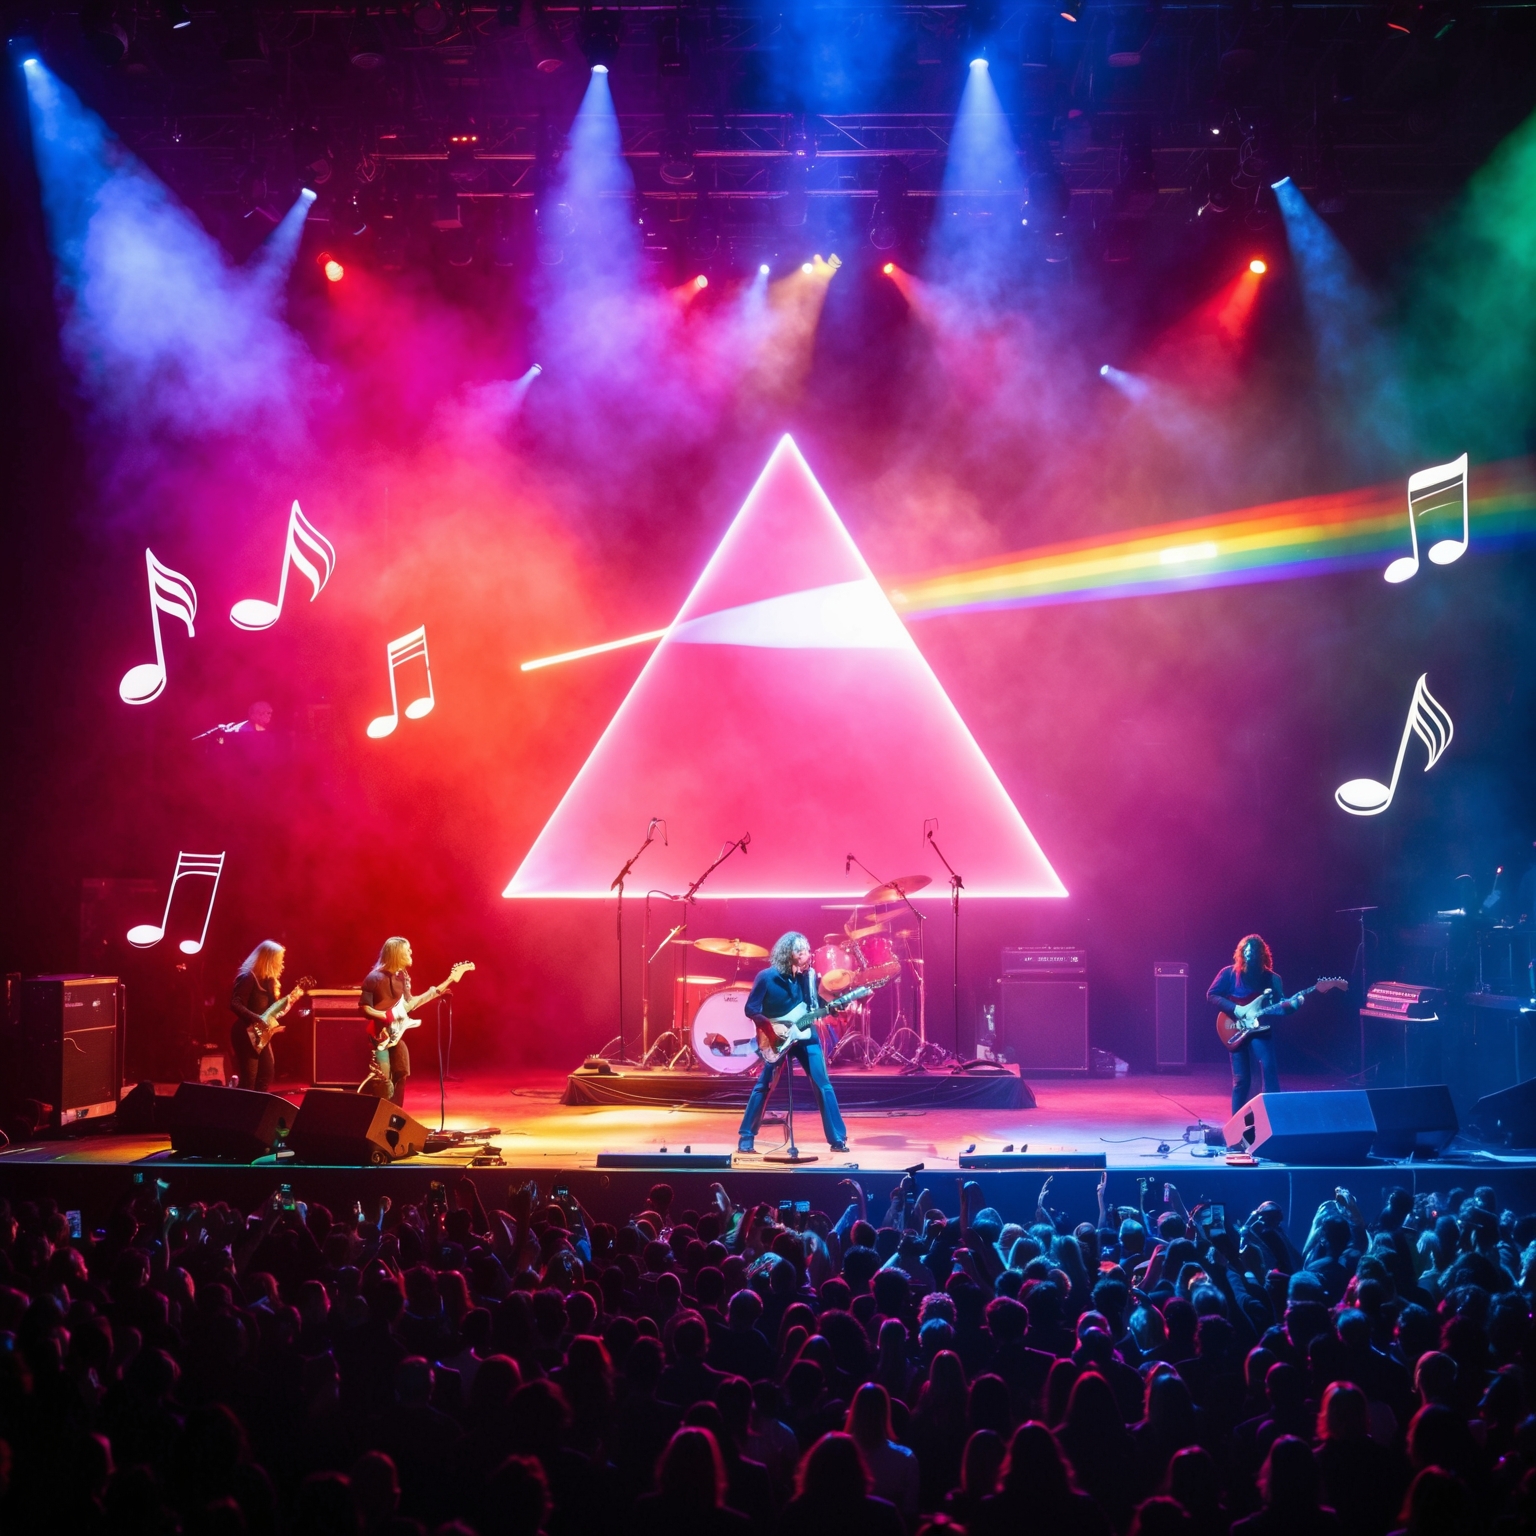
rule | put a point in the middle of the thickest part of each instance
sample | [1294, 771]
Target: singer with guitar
[1251, 998]
[388, 1001]
[789, 984]
[257, 1003]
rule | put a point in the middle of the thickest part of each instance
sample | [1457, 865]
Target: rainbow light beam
[1312, 536]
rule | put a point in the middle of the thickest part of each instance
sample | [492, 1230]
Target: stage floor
[1136, 1124]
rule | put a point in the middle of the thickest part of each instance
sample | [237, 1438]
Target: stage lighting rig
[312, 156]
[1135, 194]
[1035, 38]
[104, 34]
[431, 17]
[600, 36]
[545, 48]
[671, 56]
[676, 158]
[177, 16]
[1130, 30]
[365, 42]
[245, 48]
[885, 225]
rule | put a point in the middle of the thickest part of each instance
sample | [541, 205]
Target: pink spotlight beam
[591, 650]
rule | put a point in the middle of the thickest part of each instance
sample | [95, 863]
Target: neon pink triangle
[786, 701]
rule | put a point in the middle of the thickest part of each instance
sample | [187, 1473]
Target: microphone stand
[618, 885]
[955, 885]
[649, 960]
[1359, 914]
[922, 968]
[691, 894]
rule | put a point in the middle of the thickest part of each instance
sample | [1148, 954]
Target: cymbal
[737, 947]
[868, 930]
[902, 885]
[701, 981]
[841, 906]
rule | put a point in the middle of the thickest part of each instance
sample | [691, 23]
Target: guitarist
[788, 981]
[257, 987]
[383, 987]
[1250, 975]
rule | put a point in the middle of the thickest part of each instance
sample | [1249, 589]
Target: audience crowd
[769, 1371]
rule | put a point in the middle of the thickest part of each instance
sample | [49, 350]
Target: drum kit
[880, 944]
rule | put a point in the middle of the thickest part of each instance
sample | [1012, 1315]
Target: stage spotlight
[431, 17]
[762, 271]
[808, 268]
[1129, 32]
[1401, 17]
[544, 45]
[333, 269]
[178, 16]
[365, 42]
[599, 37]
[245, 49]
[1275, 186]
[1071, 9]
[890, 195]
[978, 63]
[701, 281]
[104, 35]
[1103, 370]
[1258, 266]
[888, 268]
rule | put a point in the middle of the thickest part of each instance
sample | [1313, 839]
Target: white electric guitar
[776, 1036]
[389, 1034]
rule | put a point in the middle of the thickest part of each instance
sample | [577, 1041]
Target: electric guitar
[388, 1034]
[260, 1034]
[776, 1036]
[1234, 1030]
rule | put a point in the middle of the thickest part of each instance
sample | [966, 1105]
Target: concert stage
[1131, 1127]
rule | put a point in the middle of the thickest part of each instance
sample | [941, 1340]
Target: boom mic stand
[955, 885]
[618, 885]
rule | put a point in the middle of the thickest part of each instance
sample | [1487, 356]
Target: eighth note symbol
[1433, 490]
[398, 652]
[303, 540]
[169, 592]
[1429, 720]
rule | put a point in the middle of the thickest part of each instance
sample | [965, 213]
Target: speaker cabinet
[1305, 1128]
[347, 1129]
[66, 1051]
[1170, 999]
[227, 1124]
[341, 1044]
[1417, 1120]
[1507, 1118]
[1045, 1023]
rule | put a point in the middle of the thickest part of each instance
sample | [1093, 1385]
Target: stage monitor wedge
[227, 1124]
[352, 1129]
[1305, 1128]
[1410, 1121]
[1506, 1118]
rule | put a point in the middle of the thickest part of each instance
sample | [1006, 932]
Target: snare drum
[723, 1037]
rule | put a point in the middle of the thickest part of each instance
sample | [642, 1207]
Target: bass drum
[722, 1036]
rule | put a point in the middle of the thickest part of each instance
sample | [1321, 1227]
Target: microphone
[847, 863]
[746, 837]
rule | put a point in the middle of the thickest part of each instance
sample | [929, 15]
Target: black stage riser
[97, 1190]
[879, 1088]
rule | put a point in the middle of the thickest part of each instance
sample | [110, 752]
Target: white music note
[1433, 490]
[190, 865]
[303, 540]
[399, 652]
[1431, 723]
[169, 592]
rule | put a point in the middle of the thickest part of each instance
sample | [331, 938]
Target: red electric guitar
[1233, 1030]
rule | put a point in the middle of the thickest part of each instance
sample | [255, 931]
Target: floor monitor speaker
[1336, 1127]
[1412, 1120]
[1507, 1118]
[231, 1124]
[334, 1126]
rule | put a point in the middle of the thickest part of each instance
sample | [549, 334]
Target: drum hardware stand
[900, 1026]
[618, 885]
[791, 1153]
[1359, 914]
[649, 960]
[955, 885]
[666, 1044]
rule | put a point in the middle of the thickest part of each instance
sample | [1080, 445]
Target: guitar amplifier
[1048, 960]
[66, 1051]
[1045, 1022]
[340, 1051]
[1170, 1000]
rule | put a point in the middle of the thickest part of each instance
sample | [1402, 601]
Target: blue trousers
[1261, 1047]
[814, 1064]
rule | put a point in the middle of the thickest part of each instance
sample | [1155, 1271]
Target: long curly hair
[783, 956]
[1244, 942]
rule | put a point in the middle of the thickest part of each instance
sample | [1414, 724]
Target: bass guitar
[776, 1036]
[260, 1034]
[1233, 1030]
[389, 1034]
